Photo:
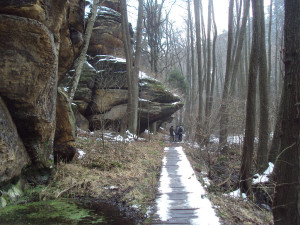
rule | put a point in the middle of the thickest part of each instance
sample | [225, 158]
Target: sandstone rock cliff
[38, 44]
[106, 38]
[13, 155]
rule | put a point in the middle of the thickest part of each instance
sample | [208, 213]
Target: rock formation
[38, 44]
[106, 37]
[12, 151]
[101, 96]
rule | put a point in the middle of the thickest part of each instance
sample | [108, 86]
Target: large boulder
[13, 154]
[108, 99]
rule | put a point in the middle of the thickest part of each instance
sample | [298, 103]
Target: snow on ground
[143, 75]
[196, 195]
[81, 153]
[265, 176]
[115, 137]
[237, 194]
[259, 179]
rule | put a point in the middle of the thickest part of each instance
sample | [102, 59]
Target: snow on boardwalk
[181, 198]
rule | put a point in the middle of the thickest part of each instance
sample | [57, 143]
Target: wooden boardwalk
[181, 199]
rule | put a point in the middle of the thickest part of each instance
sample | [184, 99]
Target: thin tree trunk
[223, 110]
[270, 44]
[248, 147]
[193, 77]
[286, 205]
[241, 38]
[208, 74]
[214, 69]
[132, 105]
[198, 43]
[82, 58]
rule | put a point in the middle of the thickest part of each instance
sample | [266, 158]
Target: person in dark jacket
[176, 133]
[172, 133]
[180, 132]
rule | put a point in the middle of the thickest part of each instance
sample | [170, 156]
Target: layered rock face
[38, 43]
[106, 37]
[101, 96]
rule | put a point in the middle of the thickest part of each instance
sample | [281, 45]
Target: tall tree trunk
[241, 38]
[193, 77]
[286, 205]
[198, 43]
[214, 69]
[82, 58]
[248, 147]
[208, 74]
[224, 110]
[262, 150]
[270, 44]
[188, 103]
[135, 80]
[132, 73]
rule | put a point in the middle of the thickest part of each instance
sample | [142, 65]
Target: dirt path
[181, 198]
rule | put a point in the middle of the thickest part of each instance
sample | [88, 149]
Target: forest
[90, 89]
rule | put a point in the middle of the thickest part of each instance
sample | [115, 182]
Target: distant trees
[153, 24]
[177, 80]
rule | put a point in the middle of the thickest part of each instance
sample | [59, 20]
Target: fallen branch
[63, 191]
[225, 181]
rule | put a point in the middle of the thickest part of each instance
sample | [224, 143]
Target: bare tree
[82, 58]
[223, 109]
[208, 72]
[248, 146]
[262, 151]
[132, 65]
[198, 43]
[287, 168]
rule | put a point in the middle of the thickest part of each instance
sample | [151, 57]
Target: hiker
[172, 133]
[176, 133]
[180, 131]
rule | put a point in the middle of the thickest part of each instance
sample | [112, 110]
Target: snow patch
[265, 176]
[81, 153]
[237, 194]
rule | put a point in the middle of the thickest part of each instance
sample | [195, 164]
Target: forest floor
[108, 168]
[219, 173]
[126, 173]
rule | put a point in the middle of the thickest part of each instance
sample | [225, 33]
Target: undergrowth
[117, 171]
[222, 170]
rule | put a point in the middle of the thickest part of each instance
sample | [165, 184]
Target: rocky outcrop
[106, 37]
[64, 20]
[104, 80]
[29, 81]
[13, 156]
[65, 129]
[38, 43]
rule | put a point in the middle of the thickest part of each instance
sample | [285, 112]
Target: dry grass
[127, 172]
